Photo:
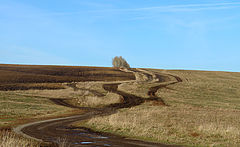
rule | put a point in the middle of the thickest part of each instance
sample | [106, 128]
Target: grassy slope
[204, 111]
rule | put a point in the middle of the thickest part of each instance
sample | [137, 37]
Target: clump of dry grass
[9, 139]
[140, 76]
[94, 101]
[92, 86]
[62, 142]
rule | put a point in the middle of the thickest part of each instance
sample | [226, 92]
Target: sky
[164, 34]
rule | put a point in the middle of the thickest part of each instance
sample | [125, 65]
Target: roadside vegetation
[9, 139]
[203, 110]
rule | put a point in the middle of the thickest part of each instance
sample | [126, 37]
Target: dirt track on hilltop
[52, 130]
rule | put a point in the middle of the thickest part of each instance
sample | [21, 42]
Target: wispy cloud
[177, 8]
[155, 9]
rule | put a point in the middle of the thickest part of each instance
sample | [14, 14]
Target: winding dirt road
[55, 129]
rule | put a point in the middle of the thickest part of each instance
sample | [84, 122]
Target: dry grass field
[204, 110]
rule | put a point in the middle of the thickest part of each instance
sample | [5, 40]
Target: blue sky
[165, 34]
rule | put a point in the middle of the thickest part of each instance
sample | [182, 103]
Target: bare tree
[120, 62]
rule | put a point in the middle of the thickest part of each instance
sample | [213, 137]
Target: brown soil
[27, 86]
[52, 130]
[23, 77]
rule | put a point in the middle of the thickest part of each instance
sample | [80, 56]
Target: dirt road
[55, 130]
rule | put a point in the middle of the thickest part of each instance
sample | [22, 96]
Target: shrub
[120, 62]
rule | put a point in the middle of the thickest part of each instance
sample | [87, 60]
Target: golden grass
[9, 139]
[62, 142]
[94, 101]
[94, 86]
[204, 111]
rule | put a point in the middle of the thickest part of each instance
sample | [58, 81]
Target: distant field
[23, 77]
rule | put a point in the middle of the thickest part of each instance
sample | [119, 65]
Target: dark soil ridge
[52, 130]
[20, 74]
